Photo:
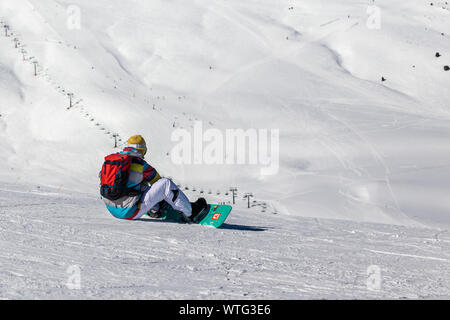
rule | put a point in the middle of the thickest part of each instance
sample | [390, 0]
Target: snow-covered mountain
[357, 91]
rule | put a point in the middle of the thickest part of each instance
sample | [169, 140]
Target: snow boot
[154, 213]
[199, 208]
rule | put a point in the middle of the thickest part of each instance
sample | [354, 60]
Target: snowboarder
[142, 189]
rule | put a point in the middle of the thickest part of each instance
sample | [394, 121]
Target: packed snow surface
[357, 208]
[60, 245]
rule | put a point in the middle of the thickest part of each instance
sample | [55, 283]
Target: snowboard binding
[200, 209]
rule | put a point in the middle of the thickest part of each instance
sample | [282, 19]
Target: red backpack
[114, 177]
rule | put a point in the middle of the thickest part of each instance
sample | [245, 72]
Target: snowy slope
[373, 153]
[310, 69]
[52, 235]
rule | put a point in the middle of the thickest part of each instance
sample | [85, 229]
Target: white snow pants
[164, 189]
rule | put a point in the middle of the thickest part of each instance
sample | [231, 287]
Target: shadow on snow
[228, 226]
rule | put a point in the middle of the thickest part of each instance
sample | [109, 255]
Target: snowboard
[213, 215]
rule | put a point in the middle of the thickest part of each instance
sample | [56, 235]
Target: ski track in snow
[254, 256]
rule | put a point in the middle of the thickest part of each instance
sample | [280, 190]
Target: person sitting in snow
[148, 189]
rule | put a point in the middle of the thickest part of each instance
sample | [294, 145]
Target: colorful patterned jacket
[142, 175]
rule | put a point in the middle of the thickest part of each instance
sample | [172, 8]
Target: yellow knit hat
[138, 142]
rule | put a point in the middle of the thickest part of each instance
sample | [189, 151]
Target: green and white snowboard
[214, 215]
